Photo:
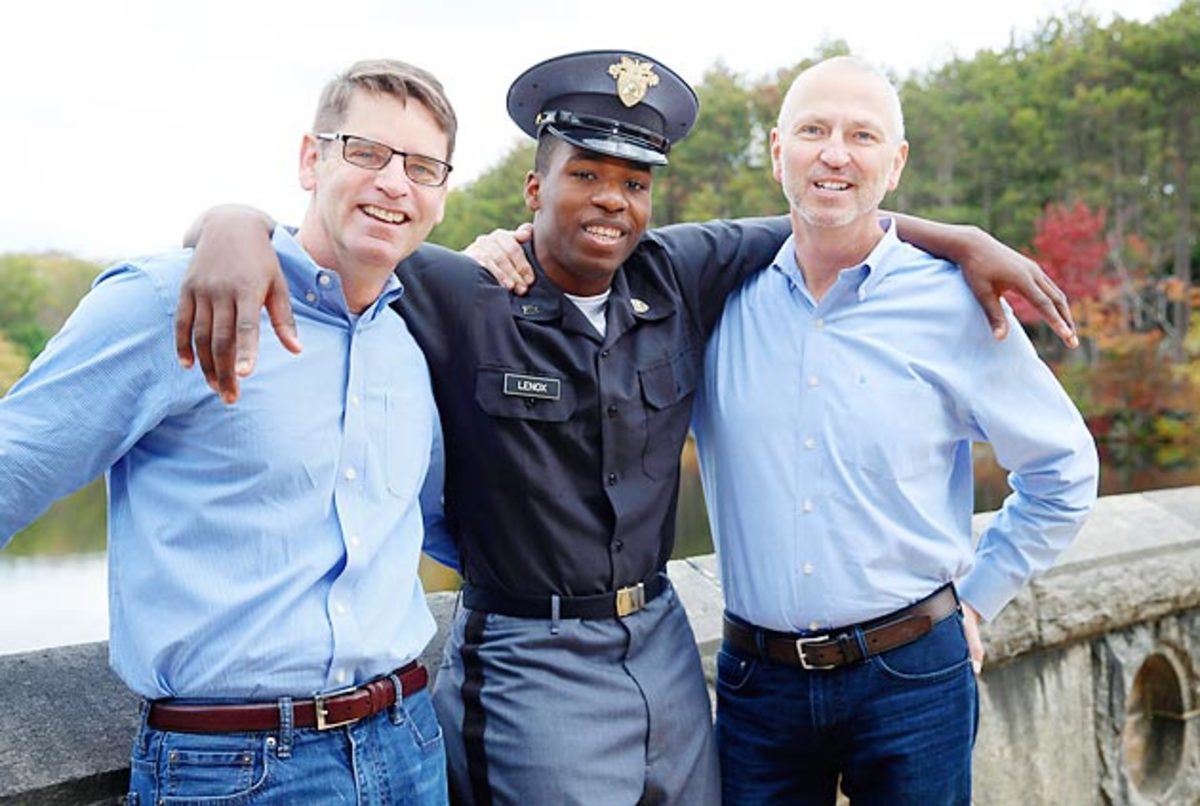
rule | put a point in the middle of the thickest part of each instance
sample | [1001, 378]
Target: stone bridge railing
[1090, 693]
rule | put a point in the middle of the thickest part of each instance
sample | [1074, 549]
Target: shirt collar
[319, 288]
[871, 270]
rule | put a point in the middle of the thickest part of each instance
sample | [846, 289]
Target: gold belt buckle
[631, 599]
[322, 710]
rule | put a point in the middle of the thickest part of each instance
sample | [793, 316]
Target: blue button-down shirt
[835, 444]
[255, 550]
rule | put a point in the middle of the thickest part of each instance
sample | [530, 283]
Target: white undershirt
[593, 308]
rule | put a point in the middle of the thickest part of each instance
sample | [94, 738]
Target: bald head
[853, 77]
[839, 147]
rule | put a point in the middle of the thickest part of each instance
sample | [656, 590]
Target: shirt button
[808, 569]
[819, 324]
[810, 443]
[355, 541]
[340, 609]
[324, 280]
[354, 400]
[340, 676]
[813, 626]
[813, 380]
[612, 479]
[351, 474]
[311, 296]
[808, 505]
[618, 545]
[604, 353]
[612, 411]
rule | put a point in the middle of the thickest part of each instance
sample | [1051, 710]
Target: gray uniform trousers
[604, 711]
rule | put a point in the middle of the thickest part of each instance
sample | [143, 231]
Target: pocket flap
[668, 383]
[524, 394]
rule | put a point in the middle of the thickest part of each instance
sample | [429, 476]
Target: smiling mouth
[604, 233]
[831, 184]
[386, 216]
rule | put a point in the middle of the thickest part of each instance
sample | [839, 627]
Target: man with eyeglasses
[571, 674]
[263, 592]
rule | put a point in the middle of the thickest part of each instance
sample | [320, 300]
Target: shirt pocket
[554, 406]
[667, 390]
[532, 434]
[408, 427]
[895, 428]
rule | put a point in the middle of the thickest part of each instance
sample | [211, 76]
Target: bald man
[842, 391]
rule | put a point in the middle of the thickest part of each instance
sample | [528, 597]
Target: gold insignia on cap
[638, 305]
[633, 79]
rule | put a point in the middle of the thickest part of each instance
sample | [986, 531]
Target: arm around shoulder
[233, 274]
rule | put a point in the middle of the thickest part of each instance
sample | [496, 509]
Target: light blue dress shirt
[262, 549]
[835, 444]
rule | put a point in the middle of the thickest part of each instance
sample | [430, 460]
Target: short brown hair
[386, 77]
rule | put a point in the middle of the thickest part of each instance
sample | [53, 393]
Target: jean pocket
[416, 714]
[212, 770]
[733, 671]
[939, 654]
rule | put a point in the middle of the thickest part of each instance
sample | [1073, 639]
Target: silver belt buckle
[322, 710]
[631, 599]
[812, 639]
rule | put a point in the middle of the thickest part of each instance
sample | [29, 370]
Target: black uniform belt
[839, 647]
[615, 604]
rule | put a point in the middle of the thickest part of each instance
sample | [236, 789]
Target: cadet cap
[613, 102]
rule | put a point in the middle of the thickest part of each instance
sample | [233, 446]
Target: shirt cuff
[987, 590]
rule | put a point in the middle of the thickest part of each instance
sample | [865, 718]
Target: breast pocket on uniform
[524, 395]
[667, 389]
[531, 415]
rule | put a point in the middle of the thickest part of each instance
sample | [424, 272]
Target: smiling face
[590, 210]
[839, 147]
[362, 222]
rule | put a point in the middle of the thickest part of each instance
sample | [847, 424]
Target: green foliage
[37, 293]
[495, 199]
[14, 360]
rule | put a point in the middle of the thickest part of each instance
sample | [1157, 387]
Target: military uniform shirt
[563, 446]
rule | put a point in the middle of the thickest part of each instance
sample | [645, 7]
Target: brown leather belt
[332, 710]
[839, 647]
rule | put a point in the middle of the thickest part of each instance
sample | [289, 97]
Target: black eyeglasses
[374, 156]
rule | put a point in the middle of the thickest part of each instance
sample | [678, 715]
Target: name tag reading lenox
[532, 386]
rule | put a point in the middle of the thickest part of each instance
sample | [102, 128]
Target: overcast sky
[121, 120]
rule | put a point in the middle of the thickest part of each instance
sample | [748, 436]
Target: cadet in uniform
[571, 674]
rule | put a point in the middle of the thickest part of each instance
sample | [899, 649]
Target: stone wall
[1090, 693]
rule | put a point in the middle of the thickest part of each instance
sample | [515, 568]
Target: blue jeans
[392, 757]
[897, 728]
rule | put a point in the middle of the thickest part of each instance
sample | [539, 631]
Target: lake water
[53, 586]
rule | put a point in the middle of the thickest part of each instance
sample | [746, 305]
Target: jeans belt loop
[286, 722]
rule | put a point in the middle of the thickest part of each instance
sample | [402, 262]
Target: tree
[495, 199]
[13, 363]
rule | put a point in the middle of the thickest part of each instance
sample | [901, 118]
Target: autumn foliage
[1069, 243]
